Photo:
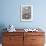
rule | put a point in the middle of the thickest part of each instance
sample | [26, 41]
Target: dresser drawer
[8, 45]
[12, 39]
[34, 33]
[13, 44]
[37, 39]
[37, 44]
[13, 33]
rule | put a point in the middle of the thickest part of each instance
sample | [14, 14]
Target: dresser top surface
[22, 30]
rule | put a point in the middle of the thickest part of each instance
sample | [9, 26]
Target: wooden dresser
[23, 39]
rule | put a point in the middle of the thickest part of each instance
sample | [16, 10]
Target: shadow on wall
[2, 26]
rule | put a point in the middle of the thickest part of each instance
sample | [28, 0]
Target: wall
[10, 13]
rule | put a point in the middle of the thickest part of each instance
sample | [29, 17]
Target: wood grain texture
[13, 39]
[23, 38]
[34, 39]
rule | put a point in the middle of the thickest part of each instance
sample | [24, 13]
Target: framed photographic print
[26, 12]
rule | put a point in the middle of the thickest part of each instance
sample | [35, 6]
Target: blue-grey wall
[10, 13]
